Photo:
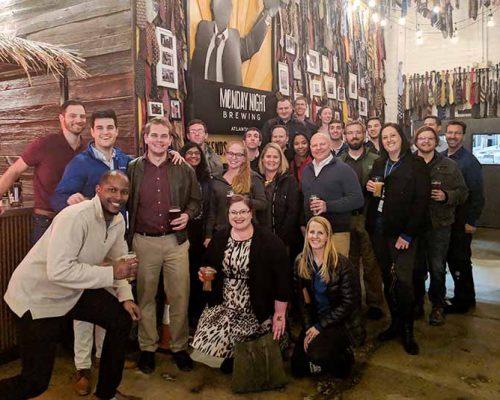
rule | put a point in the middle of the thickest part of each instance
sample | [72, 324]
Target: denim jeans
[431, 257]
[460, 265]
[40, 224]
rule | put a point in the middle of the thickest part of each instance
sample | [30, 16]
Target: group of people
[285, 227]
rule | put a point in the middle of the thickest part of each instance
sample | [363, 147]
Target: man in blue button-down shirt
[467, 215]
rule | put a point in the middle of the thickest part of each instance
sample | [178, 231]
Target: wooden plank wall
[101, 31]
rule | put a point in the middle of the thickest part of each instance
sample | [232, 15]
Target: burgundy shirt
[154, 200]
[49, 155]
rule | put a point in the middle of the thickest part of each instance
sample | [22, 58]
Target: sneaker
[183, 361]
[81, 382]
[374, 313]
[436, 318]
[147, 362]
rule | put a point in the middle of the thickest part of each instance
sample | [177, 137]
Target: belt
[158, 234]
[45, 213]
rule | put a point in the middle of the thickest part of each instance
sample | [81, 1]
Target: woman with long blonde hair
[238, 178]
[329, 292]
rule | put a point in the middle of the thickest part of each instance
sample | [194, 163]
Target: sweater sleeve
[73, 181]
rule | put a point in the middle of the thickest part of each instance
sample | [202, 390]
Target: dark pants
[431, 257]
[38, 338]
[40, 224]
[397, 272]
[197, 300]
[460, 265]
[330, 351]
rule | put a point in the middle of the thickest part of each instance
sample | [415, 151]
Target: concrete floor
[458, 361]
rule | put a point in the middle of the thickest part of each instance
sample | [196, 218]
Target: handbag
[258, 365]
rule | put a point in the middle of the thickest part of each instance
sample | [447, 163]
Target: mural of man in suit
[220, 51]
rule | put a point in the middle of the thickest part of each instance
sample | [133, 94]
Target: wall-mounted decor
[363, 106]
[175, 110]
[284, 86]
[155, 109]
[290, 44]
[325, 64]
[353, 86]
[316, 88]
[331, 87]
[166, 69]
[313, 62]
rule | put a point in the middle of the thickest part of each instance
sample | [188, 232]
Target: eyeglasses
[234, 213]
[193, 153]
[426, 139]
[234, 155]
[197, 131]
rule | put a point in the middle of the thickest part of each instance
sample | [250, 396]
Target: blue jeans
[431, 257]
[40, 224]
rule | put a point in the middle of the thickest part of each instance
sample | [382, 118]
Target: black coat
[407, 194]
[285, 205]
[344, 295]
[270, 274]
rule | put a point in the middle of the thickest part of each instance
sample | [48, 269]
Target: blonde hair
[330, 256]
[283, 161]
[242, 182]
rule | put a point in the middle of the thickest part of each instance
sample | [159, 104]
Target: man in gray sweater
[331, 189]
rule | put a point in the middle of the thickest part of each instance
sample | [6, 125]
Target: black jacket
[407, 194]
[344, 295]
[293, 125]
[270, 273]
[285, 205]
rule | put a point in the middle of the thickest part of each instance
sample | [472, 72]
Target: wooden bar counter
[15, 237]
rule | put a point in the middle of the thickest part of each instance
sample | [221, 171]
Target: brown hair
[237, 198]
[158, 121]
[351, 123]
[423, 129]
[242, 181]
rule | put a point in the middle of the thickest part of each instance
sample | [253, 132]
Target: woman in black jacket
[395, 218]
[250, 291]
[329, 292]
[282, 193]
[193, 155]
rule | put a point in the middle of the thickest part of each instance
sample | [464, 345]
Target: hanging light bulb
[383, 22]
[402, 21]
[490, 23]
[375, 17]
[436, 9]
[355, 4]
[372, 3]
[454, 39]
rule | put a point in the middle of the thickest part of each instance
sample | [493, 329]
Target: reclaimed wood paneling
[101, 31]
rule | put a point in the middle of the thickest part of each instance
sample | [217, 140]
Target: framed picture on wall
[297, 73]
[313, 62]
[325, 64]
[175, 110]
[363, 106]
[335, 64]
[316, 88]
[283, 82]
[341, 93]
[155, 109]
[331, 87]
[166, 69]
[353, 86]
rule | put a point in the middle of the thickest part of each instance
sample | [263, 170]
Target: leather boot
[392, 332]
[408, 339]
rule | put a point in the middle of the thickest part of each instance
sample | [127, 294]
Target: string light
[375, 17]
[383, 22]
[356, 4]
[490, 23]
[402, 21]
[372, 3]
[436, 9]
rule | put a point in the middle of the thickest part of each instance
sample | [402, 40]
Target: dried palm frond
[38, 56]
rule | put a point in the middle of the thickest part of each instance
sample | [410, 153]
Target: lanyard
[392, 166]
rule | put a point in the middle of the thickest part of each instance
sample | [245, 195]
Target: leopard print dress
[221, 326]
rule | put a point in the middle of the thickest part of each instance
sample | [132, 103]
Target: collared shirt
[218, 55]
[101, 157]
[49, 155]
[154, 200]
[319, 166]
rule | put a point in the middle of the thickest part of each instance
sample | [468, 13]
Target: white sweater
[66, 261]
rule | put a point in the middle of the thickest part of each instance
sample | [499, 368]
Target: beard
[355, 145]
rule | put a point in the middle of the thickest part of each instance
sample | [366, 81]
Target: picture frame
[335, 64]
[316, 89]
[336, 115]
[155, 109]
[330, 87]
[175, 110]
[353, 86]
[341, 93]
[166, 69]
[313, 62]
[363, 106]
[297, 73]
[283, 79]
[290, 44]
[325, 64]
